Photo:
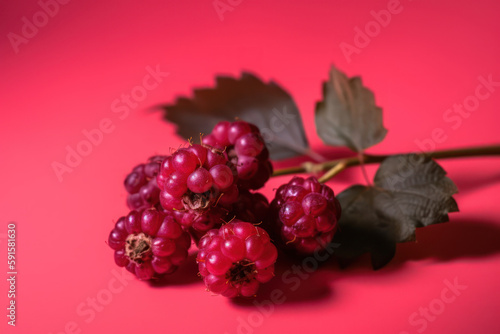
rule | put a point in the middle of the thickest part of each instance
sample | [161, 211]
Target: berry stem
[333, 171]
[336, 166]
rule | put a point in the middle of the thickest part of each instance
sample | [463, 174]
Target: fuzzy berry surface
[305, 213]
[149, 243]
[235, 259]
[246, 149]
[196, 178]
[141, 186]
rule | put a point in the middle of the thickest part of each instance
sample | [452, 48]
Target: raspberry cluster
[236, 258]
[306, 213]
[141, 184]
[149, 243]
[246, 149]
[204, 192]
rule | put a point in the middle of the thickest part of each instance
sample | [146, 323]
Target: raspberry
[198, 183]
[246, 149]
[306, 213]
[149, 243]
[236, 258]
[196, 178]
[141, 185]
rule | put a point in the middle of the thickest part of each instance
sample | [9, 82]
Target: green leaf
[409, 191]
[348, 116]
[266, 105]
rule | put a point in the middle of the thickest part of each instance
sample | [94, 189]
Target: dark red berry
[246, 149]
[141, 185]
[236, 258]
[198, 183]
[306, 214]
[195, 179]
[149, 243]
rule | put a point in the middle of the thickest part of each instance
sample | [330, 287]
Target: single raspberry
[196, 178]
[236, 258]
[246, 149]
[306, 213]
[250, 207]
[199, 184]
[149, 243]
[143, 191]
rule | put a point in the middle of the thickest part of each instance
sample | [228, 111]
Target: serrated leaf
[266, 105]
[409, 191]
[348, 116]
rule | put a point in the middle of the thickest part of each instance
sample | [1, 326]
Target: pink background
[65, 78]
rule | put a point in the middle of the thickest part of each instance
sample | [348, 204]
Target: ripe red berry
[306, 214]
[236, 258]
[196, 178]
[246, 149]
[143, 191]
[149, 243]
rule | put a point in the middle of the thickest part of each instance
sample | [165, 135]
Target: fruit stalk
[336, 166]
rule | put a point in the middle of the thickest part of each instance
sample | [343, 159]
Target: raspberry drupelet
[235, 259]
[149, 243]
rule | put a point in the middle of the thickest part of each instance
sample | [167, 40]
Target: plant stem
[333, 171]
[334, 167]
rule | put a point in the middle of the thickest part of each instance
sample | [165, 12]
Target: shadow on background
[468, 184]
[293, 286]
[187, 273]
[459, 239]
